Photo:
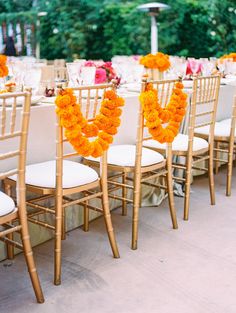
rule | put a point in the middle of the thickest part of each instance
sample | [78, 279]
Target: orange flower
[106, 137]
[155, 115]
[77, 128]
[110, 94]
[90, 130]
[158, 61]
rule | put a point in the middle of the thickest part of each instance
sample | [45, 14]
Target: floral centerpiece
[229, 56]
[156, 64]
[3, 66]
[104, 72]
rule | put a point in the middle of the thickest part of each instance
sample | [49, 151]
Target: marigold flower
[110, 94]
[106, 137]
[90, 130]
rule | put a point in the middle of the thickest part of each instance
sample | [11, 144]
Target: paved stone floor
[189, 270]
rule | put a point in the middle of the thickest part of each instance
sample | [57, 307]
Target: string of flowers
[3, 66]
[172, 114]
[77, 128]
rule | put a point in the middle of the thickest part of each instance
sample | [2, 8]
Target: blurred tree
[99, 29]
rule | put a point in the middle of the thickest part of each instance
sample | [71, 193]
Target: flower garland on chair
[77, 128]
[172, 114]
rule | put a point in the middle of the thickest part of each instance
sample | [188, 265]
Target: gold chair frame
[142, 174]
[226, 145]
[19, 213]
[62, 195]
[205, 92]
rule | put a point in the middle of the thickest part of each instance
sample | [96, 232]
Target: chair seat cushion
[7, 205]
[44, 174]
[124, 155]
[222, 129]
[180, 143]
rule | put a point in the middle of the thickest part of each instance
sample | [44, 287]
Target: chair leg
[124, 195]
[230, 169]
[29, 257]
[136, 206]
[63, 230]
[169, 182]
[211, 176]
[57, 244]
[187, 187]
[108, 221]
[10, 248]
[86, 215]
[217, 164]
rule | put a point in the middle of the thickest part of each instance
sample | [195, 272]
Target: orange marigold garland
[172, 114]
[77, 128]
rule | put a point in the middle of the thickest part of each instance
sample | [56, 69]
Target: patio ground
[189, 270]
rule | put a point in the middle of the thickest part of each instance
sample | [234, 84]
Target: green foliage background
[99, 29]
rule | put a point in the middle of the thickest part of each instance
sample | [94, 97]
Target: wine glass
[194, 66]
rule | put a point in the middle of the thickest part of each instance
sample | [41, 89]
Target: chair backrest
[14, 123]
[204, 101]
[164, 90]
[89, 98]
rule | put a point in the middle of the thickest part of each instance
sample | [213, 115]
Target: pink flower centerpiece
[104, 71]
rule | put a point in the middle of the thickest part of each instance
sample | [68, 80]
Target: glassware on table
[73, 70]
[221, 66]
[194, 65]
[87, 75]
[207, 68]
[32, 78]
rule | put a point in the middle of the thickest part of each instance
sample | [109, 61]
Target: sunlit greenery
[99, 29]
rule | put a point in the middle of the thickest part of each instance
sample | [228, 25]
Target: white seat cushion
[222, 129]
[180, 143]
[44, 174]
[124, 155]
[226, 121]
[7, 205]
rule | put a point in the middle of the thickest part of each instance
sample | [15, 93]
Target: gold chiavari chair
[63, 180]
[143, 164]
[13, 218]
[224, 137]
[203, 107]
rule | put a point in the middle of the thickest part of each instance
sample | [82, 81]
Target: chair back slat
[14, 111]
[3, 117]
[203, 107]
[13, 116]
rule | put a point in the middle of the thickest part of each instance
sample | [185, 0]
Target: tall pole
[154, 35]
[37, 50]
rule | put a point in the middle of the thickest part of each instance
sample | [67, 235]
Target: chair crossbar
[40, 223]
[154, 185]
[120, 184]
[8, 136]
[10, 230]
[92, 196]
[12, 242]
